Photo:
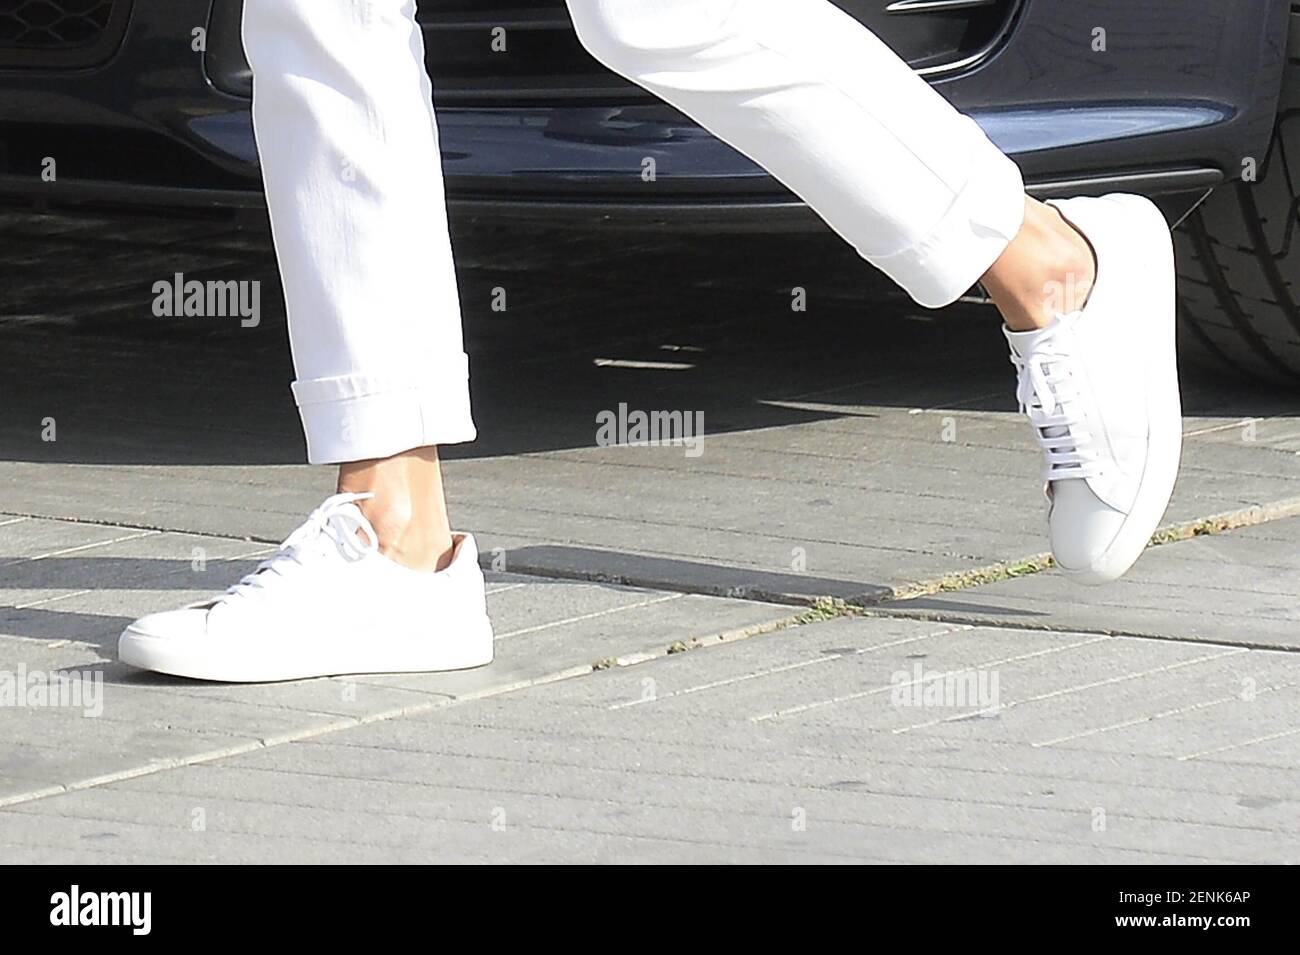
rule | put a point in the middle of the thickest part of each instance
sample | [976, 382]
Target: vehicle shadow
[752, 332]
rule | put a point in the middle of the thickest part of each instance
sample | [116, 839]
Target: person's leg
[814, 97]
[806, 91]
[374, 580]
[349, 149]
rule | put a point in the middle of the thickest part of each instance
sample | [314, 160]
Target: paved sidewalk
[631, 725]
[1237, 589]
[69, 589]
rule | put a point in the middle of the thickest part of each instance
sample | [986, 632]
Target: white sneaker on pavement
[1100, 386]
[328, 603]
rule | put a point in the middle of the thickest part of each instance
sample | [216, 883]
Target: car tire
[1239, 259]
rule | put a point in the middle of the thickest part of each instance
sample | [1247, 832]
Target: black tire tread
[1239, 261]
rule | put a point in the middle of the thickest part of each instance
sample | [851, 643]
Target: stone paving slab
[1238, 588]
[808, 532]
[675, 760]
[62, 607]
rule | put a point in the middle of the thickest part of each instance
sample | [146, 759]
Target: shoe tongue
[1025, 344]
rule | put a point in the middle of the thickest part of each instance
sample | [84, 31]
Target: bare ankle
[408, 510]
[1048, 270]
[1072, 270]
[405, 540]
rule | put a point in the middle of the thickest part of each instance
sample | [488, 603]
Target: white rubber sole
[466, 646]
[1164, 451]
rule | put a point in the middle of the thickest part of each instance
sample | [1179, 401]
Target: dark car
[147, 102]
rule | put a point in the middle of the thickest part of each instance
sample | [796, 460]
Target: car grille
[60, 33]
[543, 62]
[543, 58]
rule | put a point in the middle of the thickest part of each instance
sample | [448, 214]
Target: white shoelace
[1049, 395]
[332, 526]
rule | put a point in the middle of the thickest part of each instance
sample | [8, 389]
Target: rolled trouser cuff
[363, 417]
[983, 219]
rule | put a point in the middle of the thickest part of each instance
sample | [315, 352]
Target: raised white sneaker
[327, 604]
[1100, 387]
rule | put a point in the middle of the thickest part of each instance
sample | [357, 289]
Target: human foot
[1100, 386]
[328, 603]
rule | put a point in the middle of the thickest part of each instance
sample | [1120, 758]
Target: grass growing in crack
[1205, 527]
[826, 608]
[977, 577]
[1183, 532]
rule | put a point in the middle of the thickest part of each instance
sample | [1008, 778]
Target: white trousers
[349, 151]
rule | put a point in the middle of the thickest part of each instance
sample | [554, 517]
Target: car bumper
[148, 127]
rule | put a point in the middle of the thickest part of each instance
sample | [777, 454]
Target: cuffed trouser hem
[362, 417]
[982, 220]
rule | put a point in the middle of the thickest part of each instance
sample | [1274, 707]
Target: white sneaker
[1100, 387]
[327, 604]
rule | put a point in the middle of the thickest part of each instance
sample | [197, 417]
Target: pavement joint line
[591, 616]
[1212, 525]
[997, 804]
[1151, 718]
[872, 758]
[49, 600]
[891, 605]
[615, 519]
[1235, 425]
[1145, 852]
[568, 455]
[1122, 678]
[889, 687]
[81, 547]
[977, 620]
[986, 803]
[401, 712]
[566, 830]
[81, 593]
[1244, 743]
[154, 528]
[263, 549]
[462, 754]
[280, 739]
[785, 668]
[713, 640]
[1217, 428]
[503, 588]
